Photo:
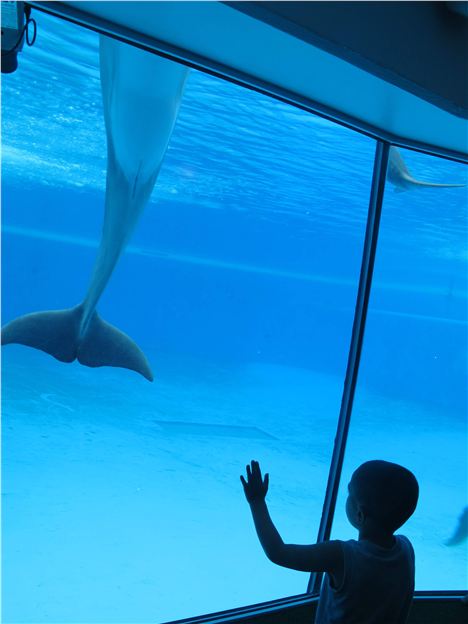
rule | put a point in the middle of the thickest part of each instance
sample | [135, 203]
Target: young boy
[369, 581]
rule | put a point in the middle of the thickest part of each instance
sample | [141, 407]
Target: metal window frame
[354, 355]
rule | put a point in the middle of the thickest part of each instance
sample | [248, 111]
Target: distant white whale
[141, 97]
[401, 178]
[461, 532]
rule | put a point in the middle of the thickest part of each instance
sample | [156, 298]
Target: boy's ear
[362, 513]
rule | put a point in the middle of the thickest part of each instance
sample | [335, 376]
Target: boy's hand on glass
[255, 488]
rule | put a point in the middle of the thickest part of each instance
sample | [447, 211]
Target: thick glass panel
[411, 400]
[122, 499]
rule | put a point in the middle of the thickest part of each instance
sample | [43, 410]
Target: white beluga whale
[141, 96]
[401, 178]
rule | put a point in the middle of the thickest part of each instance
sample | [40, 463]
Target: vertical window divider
[357, 336]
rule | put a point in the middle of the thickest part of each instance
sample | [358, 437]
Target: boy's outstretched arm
[323, 557]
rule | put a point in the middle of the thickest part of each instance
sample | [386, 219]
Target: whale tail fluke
[57, 332]
[402, 179]
[412, 183]
[105, 345]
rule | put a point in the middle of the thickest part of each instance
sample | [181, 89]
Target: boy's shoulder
[399, 541]
[405, 543]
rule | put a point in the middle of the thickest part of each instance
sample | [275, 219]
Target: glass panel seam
[357, 336]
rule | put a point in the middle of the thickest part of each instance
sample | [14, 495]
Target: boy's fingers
[249, 474]
[267, 479]
[243, 481]
[256, 468]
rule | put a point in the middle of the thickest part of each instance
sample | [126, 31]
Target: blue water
[121, 498]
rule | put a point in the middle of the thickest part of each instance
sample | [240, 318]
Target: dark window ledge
[429, 607]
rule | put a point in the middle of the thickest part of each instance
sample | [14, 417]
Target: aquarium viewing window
[272, 240]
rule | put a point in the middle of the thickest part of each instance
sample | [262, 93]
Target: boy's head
[384, 493]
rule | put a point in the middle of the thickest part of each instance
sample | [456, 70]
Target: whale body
[141, 95]
[401, 178]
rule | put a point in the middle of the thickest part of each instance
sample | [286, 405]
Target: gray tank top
[377, 585]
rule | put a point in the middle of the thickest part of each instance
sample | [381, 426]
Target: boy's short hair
[388, 492]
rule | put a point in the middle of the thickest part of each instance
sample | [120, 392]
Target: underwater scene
[121, 497]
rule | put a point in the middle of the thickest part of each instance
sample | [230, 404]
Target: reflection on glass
[122, 498]
[411, 400]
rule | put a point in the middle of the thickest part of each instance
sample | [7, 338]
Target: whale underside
[141, 95]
